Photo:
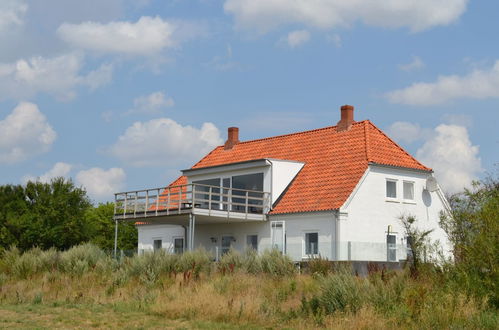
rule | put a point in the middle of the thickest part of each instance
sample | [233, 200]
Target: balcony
[197, 199]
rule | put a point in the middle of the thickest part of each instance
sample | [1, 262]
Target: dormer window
[391, 188]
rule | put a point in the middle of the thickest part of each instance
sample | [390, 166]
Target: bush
[194, 263]
[251, 262]
[275, 263]
[230, 261]
[81, 258]
[319, 266]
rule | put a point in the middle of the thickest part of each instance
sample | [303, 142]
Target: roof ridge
[398, 146]
[366, 134]
[297, 133]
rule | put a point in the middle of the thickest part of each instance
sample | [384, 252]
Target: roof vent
[232, 138]
[346, 120]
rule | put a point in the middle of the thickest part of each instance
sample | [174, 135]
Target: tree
[473, 229]
[101, 221]
[418, 242]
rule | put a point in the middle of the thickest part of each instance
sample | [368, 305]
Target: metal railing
[185, 198]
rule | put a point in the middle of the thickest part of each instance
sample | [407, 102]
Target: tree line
[60, 215]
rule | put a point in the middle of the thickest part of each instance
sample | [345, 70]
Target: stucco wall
[369, 212]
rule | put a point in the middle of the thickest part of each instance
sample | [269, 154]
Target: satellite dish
[431, 184]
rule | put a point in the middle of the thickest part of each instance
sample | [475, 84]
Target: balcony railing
[189, 198]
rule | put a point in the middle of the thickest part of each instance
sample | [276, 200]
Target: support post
[115, 238]
[193, 228]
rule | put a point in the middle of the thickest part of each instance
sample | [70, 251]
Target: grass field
[84, 288]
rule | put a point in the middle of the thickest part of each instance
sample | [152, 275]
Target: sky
[123, 94]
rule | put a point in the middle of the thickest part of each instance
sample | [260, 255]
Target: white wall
[166, 233]
[366, 217]
[283, 172]
[298, 224]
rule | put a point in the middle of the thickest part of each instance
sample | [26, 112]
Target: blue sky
[121, 94]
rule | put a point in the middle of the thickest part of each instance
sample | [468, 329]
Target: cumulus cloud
[452, 156]
[164, 142]
[418, 15]
[415, 64]
[100, 183]
[403, 131]
[479, 84]
[24, 133]
[152, 103]
[147, 36]
[58, 76]
[12, 13]
[59, 169]
[297, 38]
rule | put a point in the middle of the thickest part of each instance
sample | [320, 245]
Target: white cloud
[24, 133]
[12, 13]
[147, 36]
[59, 169]
[100, 183]
[415, 64]
[297, 38]
[224, 63]
[479, 84]
[152, 103]
[402, 131]
[164, 142]
[418, 15]
[452, 156]
[58, 76]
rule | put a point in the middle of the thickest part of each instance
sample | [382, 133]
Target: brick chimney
[232, 138]
[346, 120]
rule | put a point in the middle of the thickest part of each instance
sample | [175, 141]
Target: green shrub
[251, 262]
[343, 292]
[319, 266]
[230, 261]
[275, 263]
[81, 258]
[194, 263]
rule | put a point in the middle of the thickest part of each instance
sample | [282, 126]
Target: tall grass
[249, 288]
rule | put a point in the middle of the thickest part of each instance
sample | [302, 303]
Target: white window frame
[391, 199]
[272, 223]
[304, 244]
[393, 249]
[413, 200]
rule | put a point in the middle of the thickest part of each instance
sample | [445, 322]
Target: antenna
[431, 184]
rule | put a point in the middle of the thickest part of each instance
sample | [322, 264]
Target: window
[409, 247]
[178, 245]
[391, 189]
[157, 244]
[252, 242]
[391, 246]
[247, 182]
[202, 195]
[311, 243]
[409, 190]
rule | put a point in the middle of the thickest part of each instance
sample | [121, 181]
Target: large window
[409, 190]
[391, 189]
[252, 182]
[311, 244]
[202, 195]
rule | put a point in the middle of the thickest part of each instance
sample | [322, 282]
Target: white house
[336, 191]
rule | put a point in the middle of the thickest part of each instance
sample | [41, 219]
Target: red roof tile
[334, 162]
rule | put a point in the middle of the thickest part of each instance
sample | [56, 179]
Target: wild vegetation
[249, 290]
[57, 215]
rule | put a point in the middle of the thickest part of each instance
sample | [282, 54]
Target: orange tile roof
[334, 162]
